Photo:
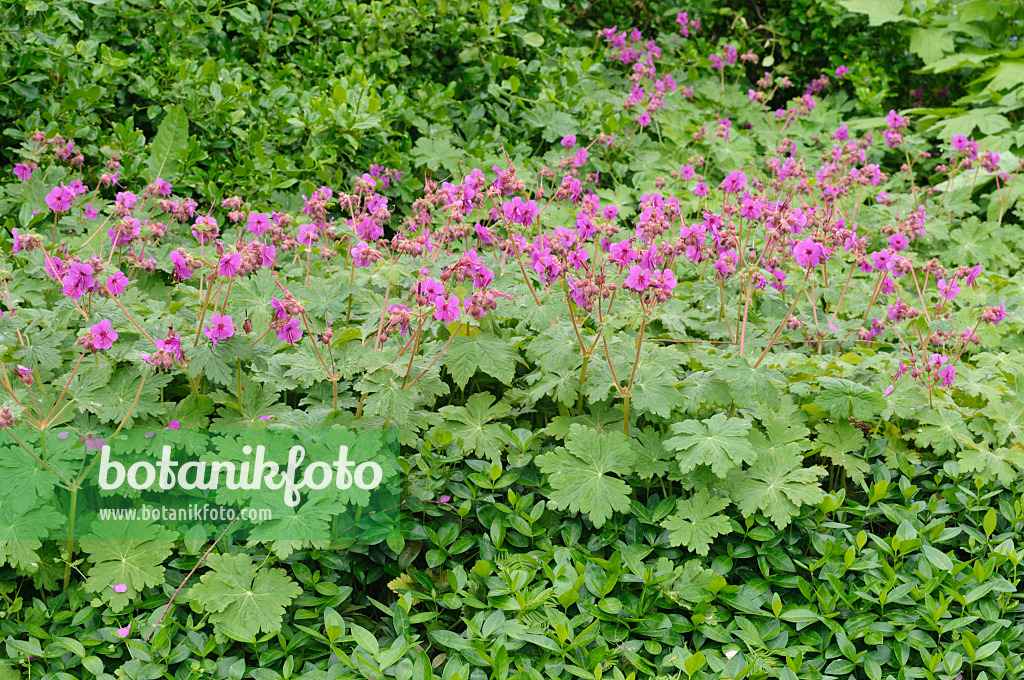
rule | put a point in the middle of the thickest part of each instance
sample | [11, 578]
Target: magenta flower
[842, 71]
[182, 271]
[173, 425]
[734, 182]
[280, 311]
[103, 335]
[258, 223]
[91, 213]
[59, 199]
[447, 310]
[808, 254]
[948, 375]
[220, 328]
[160, 187]
[972, 275]
[22, 171]
[948, 290]
[898, 242]
[120, 588]
[124, 632]
[267, 255]
[701, 190]
[686, 172]
[125, 231]
[116, 283]
[994, 315]
[519, 211]
[78, 280]
[290, 332]
[569, 141]
[229, 264]
[639, 278]
[580, 157]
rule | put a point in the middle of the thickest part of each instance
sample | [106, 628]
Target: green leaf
[719, 442]
[475, 429]
[651, 458]
[840, 440]
[532, 39]
[580, 473]
[116, 559]
[942, 429]
[1003, 464]
[235, 590]
[697, 522]
[777, 486]
[879, 11]
[168, 145]
[843, 399]
[484, 352]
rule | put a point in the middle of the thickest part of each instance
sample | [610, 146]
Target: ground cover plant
[705, 375]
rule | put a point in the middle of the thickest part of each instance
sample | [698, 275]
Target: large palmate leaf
[839, 441]
[582, 474]
[842, 398]
[943, 429]
[241, 593]
[485, 352]
[777, 485]
[117, 558]
[719, 442]
[697, 522]
[473, 427]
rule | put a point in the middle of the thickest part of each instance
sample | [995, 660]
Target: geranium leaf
[581, 473]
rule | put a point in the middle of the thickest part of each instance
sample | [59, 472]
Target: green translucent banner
[262, 485]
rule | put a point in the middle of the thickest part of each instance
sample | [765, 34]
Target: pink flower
[447, 310]
[808, 254]
[569, 141]
[580, 157]
[519, 211]
[290, 332]
[686, 172]
[181, 269]
[948, 290]
[948, 375]
[888, 390]
[59, 199]
[258, 223]
[898, 242]
[220, 328]
[842, 71]
[116, 283]
[701, 189]
[103, 335]
[734, 182]
[22, 171]
[174, 425]
[124, 632]
[120, 588]
[994, 315]
[229, 264]
[639, 278]
[91, 213]
[78, 280]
